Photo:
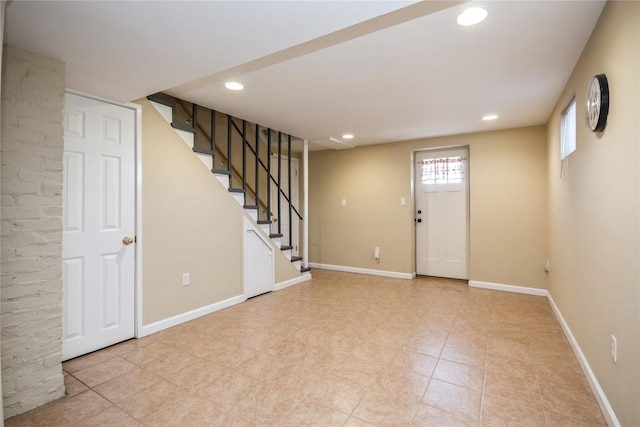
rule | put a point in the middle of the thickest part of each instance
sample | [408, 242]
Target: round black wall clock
[598, 103]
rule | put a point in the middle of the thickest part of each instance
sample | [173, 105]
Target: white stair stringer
[251, 214]
[187, 137]
[165, 111]
[206, 159]
[266, 228]
[223, 178]
[239, 197]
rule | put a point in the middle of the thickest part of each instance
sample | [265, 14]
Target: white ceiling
[382, 70]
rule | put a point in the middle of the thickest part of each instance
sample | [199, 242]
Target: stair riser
[253, 213]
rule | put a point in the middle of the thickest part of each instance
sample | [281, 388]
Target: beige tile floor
[340, 350]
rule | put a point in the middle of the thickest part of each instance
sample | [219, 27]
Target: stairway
[250, 186]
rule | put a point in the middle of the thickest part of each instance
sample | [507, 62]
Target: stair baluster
[256, 170]
[244, 163]
[229, 151]
[289, 191]
[279, 180]
[268, 175]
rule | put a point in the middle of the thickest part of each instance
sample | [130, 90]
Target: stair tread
[296, 258]
[250, 206]
[161, 100]
[272, 235]
[236, 190]
[305, 269]
[183, 127]
[286, 248]
[203, 151]
[221, 171]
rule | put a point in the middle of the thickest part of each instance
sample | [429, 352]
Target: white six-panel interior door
[442, 213]
[98, 217]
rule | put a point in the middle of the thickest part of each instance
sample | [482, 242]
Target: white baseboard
[291, 282]
[357, 270]
[203, 311]
[601, 398]
[508, 288]
[605, 406]
[189, 315]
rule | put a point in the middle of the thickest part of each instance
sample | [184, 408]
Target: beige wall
[593, 212]
[190, 224]
[507, 205]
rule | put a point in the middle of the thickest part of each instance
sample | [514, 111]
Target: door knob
[419, 211]
[419, 219]
[127, 240]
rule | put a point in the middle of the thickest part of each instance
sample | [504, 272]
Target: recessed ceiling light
[347, 136]
[490, 117]
[233, 86]
[472, 16]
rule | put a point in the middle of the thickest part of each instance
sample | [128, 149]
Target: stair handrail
[265, 167]
[217, 151]
[195, 126]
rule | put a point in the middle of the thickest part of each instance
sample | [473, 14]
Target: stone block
[31, 187]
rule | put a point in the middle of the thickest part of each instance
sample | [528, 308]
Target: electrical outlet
[185, 279]
[614, 349]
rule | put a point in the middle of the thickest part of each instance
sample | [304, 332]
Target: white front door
[284, 205]
[441, 184]
[98, 214]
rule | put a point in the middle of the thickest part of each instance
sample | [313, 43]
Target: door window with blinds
[442, 170]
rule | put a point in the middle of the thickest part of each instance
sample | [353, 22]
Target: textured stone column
[31, 240]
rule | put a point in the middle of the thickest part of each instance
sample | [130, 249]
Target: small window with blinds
[568, 130]
[442, 170]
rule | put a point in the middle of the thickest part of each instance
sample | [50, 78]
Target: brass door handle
[127, 240]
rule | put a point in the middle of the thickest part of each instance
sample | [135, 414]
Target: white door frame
[294, 196]
[137, 280]
[414, 189]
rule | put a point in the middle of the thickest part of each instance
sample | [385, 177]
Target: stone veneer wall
[31, 218]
